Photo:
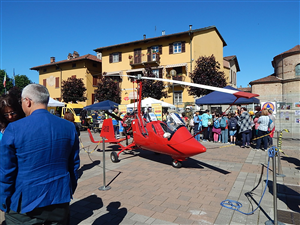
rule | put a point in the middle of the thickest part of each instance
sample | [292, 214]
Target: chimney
[163, 32]
[191, 27]
[75, 55]
[70, 56]
[52, 59]
[144, 36]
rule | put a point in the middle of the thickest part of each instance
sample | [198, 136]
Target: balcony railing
[144, 59]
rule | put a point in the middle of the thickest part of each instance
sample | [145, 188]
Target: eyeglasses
[9, 114]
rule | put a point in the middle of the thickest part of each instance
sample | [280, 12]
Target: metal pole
[275, 222]
[279, 139]
[104, 187]
[274, 190]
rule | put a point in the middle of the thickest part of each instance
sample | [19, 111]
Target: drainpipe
[191, 55]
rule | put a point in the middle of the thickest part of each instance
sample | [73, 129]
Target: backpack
[217, 124]
[233, 124]
[223, 122]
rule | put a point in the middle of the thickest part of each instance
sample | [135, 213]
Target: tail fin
[107, 131]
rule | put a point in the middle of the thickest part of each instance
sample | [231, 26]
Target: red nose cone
[184, 143]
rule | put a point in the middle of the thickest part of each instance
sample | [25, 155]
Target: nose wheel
[114, 157]
[176, 164]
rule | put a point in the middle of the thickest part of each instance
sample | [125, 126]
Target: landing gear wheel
[114, 157]
[176, 164]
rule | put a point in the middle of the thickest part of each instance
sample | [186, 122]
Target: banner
[269, 105]
[157, 110]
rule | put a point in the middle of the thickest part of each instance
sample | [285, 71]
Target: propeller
[238, 94]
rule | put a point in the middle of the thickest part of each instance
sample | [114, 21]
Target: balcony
[143, 59]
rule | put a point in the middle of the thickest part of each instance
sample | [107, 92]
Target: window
[73, 65]
[154, 50]
[44, 82]
[57, 67]
[115, 57]
[178, 97]
[44, 70]
[177, 47]
[297, 70]
[56, 82]
[156, 73]
[94, 64]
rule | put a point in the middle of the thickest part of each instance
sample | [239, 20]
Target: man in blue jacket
[39, 162]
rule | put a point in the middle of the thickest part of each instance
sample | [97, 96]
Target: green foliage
[152, 88]
[206, 72]
[108, 89]
[73, 90]
[20, 82]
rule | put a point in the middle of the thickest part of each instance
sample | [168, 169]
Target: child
[216, 128]
[232, 125]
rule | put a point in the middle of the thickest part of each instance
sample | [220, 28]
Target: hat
[251, 113]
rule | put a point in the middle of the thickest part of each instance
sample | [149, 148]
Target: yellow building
[167, 55]
[87, 67]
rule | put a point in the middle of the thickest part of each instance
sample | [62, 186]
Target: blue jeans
[264, 139]
[246, 137]
[196, 130]
[224, 134]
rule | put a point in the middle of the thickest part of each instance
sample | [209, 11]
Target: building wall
[288, 63]
[204, 43]
[83, 70]
[269, 92]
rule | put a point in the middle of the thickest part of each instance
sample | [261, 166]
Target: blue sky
[33, 31]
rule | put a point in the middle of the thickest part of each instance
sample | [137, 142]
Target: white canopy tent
[148, 101]
[55, 103]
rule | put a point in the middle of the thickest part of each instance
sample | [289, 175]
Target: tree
[20, 82]
[73, 90]
[206, 72]
[108, 89]
[153, 88]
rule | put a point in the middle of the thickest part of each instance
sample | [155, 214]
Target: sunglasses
[9, 114]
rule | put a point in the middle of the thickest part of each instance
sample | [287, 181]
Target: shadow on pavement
[286, 194]
[87, 167]
[293, 160]
[114, 215]
[167, 160]
[83, 209]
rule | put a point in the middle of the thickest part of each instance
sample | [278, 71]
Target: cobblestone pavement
[146, 189]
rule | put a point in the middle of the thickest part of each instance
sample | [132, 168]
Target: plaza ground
[146, 189]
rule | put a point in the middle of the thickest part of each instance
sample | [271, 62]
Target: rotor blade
[238, 94]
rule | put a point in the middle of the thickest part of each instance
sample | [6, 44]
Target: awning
[135, 70]
[176, 65]
[114, 73]
[133, 95]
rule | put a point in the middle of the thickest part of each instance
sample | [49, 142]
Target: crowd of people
[247, 129]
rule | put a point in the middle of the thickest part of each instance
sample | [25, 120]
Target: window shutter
[171, 48]
[110, 58]
[57, 82]
[183, 46]
[149, 55]
[93, 98]
[120, 56]
[95, 81]
[44, 82]
[160, 49]
[160, 73]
